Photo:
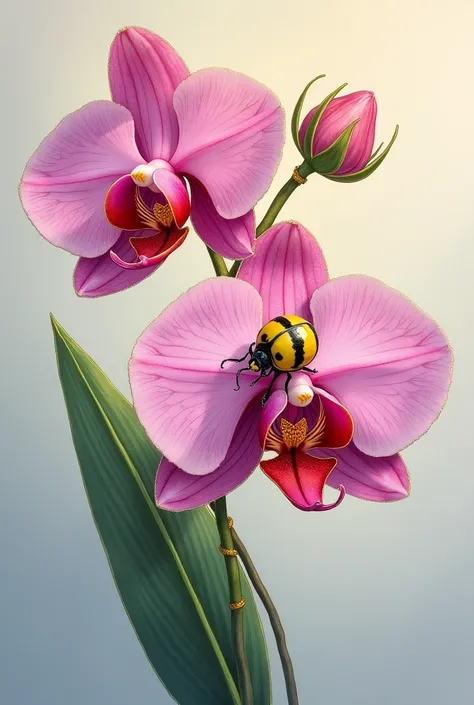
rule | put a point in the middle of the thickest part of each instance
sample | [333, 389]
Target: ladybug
[284, 345]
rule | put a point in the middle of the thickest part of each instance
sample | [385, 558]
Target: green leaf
[312, 127]
[330, 160]
[166, 566]
[295, 119]
[373, 164]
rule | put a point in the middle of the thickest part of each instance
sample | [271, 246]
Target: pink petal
[301, 478]
[231, 137]
[174, 190]
[287, 267]
[376, 479]
[233, 238]
[183, 398]
[177, 490]
[144, 71]
[276, 404]
[382, 358]
[65, 182]
[100, 276]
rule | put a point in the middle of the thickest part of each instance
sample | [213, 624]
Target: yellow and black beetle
[284, 345]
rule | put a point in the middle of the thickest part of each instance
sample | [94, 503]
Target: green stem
[275, 207]
[235, 592]
[220, 266]
[275, 622]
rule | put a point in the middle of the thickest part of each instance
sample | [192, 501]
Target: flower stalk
[273, 616]
[232, 565]
[235, 593]
[276, 205]
[218, 263]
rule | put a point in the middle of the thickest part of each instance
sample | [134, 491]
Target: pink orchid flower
[110, 183]
[383, 372]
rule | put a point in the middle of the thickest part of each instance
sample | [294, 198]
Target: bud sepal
[373, 164]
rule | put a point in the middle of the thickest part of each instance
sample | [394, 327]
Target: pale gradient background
[377, 600]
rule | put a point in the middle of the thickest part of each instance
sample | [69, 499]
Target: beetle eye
[278, 356]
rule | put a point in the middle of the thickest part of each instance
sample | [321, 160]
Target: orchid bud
[336, 138]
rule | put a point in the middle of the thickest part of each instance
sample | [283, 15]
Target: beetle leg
[238, 359]
[307, 369]
[263, 373]
[288, 377]
[267, 393]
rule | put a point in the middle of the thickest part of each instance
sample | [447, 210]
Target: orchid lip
[295, 436]
[301, 477]
[320, 507]
[152, 250]
[140, 263]
[151, 197]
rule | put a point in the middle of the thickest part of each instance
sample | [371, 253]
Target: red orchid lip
[129, 206]
[152, 250]
[293, 432]
[302, 478]
[121, 206]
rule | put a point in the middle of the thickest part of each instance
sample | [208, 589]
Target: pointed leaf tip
[58, 330]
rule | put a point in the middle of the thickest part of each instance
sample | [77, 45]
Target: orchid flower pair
[383, 370]
[115, 184]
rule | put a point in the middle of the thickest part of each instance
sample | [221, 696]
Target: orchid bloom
[110, 183]
[383, 371]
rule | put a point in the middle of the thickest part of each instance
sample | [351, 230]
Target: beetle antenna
[238, 359]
